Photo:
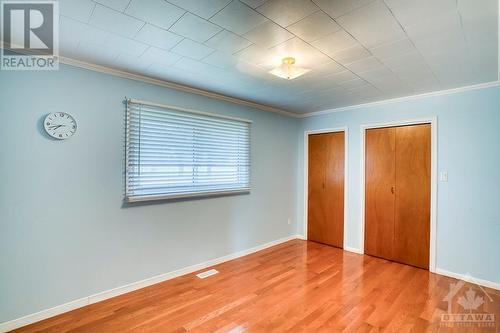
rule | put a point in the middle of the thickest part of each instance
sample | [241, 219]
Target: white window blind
[175, 153]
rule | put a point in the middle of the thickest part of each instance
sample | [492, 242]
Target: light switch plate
[443, 176]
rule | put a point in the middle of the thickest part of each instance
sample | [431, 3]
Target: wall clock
[60, 125]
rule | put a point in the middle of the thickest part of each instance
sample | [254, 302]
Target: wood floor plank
[297, 286]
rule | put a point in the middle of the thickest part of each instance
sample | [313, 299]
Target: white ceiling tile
[191, 49]
[311, 80]
[428, 87]
[320, 86]
[443, 32]
[305, 55]
[221, 74]
[314, 26]
[171, 74]
[195, 28]
[67, 47]
[160, 38]
[481, 32]
[413, 58]
[115, 22]
[351, 54]
[254, 3]
[448, 21]
[95, 53]
[417, 69]
[410, 12]
[365, 65]
[354, 83]
[203, 8]
[365, 91]
[453, 41]
[268, 34]
[131, 63]
[471, 9]
[452, 69]
[238, 18]
[254, 71]
[446, 46]
[328, 67]
[226, 41]
[287, 12]
[417, 76]
[485, 61]
[157, 12]
[72, 30]
[376, 74]
[480, 22]
[161, 57]
[372, 25]
[119, 5]
[190, 65]
[335, 42]
[342, 76]
[80, 10]
[256, 54]
[221, 60]
[336, 8]
[392, 85]
[393, 49]
[125, 45]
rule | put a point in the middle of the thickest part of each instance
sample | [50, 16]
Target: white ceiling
[359, 50]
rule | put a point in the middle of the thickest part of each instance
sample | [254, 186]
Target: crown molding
[403, 99]
[234, 100]
[172, 85]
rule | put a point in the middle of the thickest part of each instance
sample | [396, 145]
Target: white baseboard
[440, 271]
[353, 249]
[345, 248]
[44, 314]
[469, 278]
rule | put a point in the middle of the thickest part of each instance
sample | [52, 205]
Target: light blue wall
[468, 205]
[65, 235]
[63, 231]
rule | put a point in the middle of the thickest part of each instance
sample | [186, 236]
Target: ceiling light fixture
[288, 70]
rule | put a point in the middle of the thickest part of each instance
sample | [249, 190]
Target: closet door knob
[392, 189]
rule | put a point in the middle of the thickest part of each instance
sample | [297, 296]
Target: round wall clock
[60, 125]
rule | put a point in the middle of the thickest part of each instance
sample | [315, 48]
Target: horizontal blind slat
[171, 152]
[162, 189]
[158, 126]
[179, 118]
[146, 140]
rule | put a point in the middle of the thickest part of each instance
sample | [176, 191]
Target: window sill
[188, 195]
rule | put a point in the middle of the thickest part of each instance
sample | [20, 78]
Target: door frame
[434, 171]
[306, 174]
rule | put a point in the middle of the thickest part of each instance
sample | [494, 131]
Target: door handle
[392, 189]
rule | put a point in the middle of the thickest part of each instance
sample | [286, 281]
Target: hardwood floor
[297, 286]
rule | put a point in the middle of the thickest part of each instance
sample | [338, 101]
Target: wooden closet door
[326, 188]
[413, 190]
[380, 181]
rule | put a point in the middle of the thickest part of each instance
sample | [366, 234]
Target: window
[175, 153]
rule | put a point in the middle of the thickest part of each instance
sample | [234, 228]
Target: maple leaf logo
[470, 301]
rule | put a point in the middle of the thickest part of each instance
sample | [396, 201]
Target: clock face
[60, 125]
